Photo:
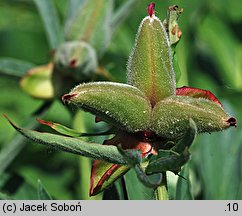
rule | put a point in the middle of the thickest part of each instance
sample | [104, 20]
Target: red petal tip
[197, 93]
[95, 189]
[5, 116]
[232, 122]
[97, 119]
[48, 123]
[72, 63]
[65, 98]
[151, 9]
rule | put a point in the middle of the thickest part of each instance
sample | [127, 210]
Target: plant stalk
[161, 192]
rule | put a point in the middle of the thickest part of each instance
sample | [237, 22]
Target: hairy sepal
[150, 64]
[122, 105]
[171, 116]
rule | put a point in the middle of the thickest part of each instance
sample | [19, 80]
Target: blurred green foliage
[209, 55]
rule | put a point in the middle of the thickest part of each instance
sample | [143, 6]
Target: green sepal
[151, 181]
[150, 63]
[171, 116]
[172, 160]
[73, 145]
[91, 23]
[104, 174]
[121, 105]
[69, 131]
[132, 156]
[187, 139]
[37, 82]
[76, 58]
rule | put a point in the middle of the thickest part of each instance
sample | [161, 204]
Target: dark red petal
[95, 188]
[65, 98]
[232, 122]
[197, 93]
[151, 9]
[97, 119]
[72, 63]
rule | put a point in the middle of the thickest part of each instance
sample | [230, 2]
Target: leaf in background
[14, 147]
[228, 9]
[91, 23]
[73, 6]
[218, 159]
[224, 49]
[135, 189]
[176, 67]
[4, 196]
[183, 188]
[57, 189]
[122, 13]
[73, 145]
[51, 22]
[25, 192]
[14, 67]
[37, 82]
[42, 192]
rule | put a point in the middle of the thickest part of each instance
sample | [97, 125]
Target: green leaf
[122, 105]
[73, 6]
[37, 82]
[73, 145]
[150, 64]
[95, 27]
[51, 22]
[42, 192]
[14, 67]
[183, 189]
[171, 116]
[105, 174]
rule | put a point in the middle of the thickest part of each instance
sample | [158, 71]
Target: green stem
[161, 192]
